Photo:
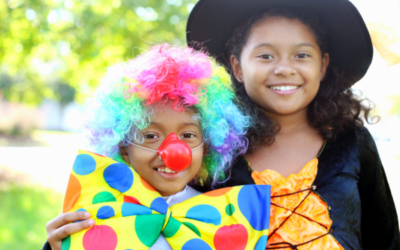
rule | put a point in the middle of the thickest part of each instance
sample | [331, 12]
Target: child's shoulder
[367, 149]
[361, 136]
[354, 146]
[364, 136]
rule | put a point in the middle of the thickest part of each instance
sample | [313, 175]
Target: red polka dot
[100, 238]
[147, 185]
[218, 192]
[233, 237]
[131, 199]
[72, 194]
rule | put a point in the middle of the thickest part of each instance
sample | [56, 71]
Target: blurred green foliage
[25, 210]
[51, 44]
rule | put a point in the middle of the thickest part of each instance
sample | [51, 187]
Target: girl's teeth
[284, 88]
[165, 170]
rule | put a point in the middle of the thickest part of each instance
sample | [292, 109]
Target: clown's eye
[188, 135]
[150, 136]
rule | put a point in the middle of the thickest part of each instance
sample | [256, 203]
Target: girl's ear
[324, 66]
[237, 70]
[123, 150]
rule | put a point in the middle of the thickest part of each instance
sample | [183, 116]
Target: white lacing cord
[152, 150]
[202, 143]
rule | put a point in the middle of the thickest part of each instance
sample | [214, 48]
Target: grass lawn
[24, 212]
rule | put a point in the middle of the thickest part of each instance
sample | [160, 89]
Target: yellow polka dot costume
[131, 214]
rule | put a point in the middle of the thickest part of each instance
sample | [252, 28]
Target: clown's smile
[165, 170]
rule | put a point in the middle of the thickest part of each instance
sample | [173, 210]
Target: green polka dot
[171, 228]
[193, 228]
[66, 243]
[103, 197]
[148, 228]
[230, 209]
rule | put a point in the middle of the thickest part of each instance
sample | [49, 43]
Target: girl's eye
[188, 135]
[303, 55]
[265, 56]
[150, 136]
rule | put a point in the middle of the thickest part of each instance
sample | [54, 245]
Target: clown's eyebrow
[155, 123]
[186, 124]
[192, 123]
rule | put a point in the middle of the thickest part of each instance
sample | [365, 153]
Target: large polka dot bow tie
[131, 214]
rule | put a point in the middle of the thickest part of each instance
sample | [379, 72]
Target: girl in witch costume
[169, 114]
[293, 63]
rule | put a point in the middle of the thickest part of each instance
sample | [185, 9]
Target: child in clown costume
[156, 123]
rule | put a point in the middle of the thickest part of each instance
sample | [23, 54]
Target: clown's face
[164, 121]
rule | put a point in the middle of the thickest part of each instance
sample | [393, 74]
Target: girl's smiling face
[164, 121]
[281, 65]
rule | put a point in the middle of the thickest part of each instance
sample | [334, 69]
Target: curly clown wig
[121, 105]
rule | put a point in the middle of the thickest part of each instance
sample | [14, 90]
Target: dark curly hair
[335, 108]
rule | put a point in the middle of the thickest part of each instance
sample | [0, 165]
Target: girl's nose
[284, 68]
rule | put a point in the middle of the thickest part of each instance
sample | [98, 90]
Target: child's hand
[60, 227]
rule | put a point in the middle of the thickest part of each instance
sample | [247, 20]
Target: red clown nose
[176, 154]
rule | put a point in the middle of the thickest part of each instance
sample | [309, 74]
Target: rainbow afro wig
[121, 105]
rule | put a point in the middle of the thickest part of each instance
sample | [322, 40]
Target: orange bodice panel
[299, 217]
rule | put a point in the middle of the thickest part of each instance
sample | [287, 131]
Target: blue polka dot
[105, 212]
[159, 205]
[261, 243]
[129, 209]
[254, 203]
[119, 176]
[196, 244]
[84, 164]
[205, 213]
[80, 210]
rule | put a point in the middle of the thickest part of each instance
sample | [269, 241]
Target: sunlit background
[52, 54]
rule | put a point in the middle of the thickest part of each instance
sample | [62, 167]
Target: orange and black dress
[339, 201]
[299, 217]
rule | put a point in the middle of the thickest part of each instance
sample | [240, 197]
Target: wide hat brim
[211, 22]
